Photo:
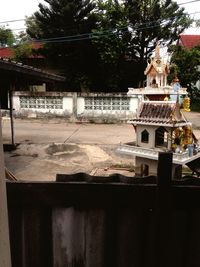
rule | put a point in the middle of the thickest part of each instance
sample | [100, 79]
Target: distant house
[189, 40]
[6, 52]
[36, 60]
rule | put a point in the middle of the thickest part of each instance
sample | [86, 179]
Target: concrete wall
[151, 130]
[152, 167]
[81, 106]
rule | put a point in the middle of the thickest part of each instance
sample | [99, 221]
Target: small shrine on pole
[160, 125]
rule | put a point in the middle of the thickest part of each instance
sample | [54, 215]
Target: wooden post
[11, 117]
[163, 207]
[5, 257]
[164, 171]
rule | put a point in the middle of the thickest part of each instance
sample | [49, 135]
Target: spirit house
[159, 123]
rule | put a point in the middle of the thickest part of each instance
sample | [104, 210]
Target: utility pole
[11, 115]
[5, 256]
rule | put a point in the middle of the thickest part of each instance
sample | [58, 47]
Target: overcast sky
[18, 9]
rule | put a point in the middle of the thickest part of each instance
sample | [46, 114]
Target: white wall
[73, 105]
[151, 131]
[80, 105]
[16, 102]
[134, 103]
[67, 105]
[153, 164]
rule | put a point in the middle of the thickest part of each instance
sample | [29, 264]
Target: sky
[192, 8]
[19, 9]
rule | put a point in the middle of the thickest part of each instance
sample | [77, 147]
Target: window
[145, 136]
[41, 102]
[107, 103]
[161, 137]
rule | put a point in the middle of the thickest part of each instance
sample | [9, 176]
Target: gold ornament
[186, 103]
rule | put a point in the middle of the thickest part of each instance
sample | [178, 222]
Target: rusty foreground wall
[85, 221]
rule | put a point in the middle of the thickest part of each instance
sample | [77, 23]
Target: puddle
[61, 149]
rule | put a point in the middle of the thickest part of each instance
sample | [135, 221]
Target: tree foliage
[73, 56]
[186, 66]
[6, 37]
[139, 25]
[151, 21]
[105, 43]
[23, 51]
[23, 48]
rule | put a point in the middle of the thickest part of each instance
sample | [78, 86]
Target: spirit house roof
[157, 65]
[165, 113]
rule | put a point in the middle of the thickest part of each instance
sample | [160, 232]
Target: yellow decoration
[186, 103]
[188, 139]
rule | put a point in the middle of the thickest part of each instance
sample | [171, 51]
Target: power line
[23, 19]
[20, 29]
[100, 34]
[10, 21]
[189, 2]
[90, 35]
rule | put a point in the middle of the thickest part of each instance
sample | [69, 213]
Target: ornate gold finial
[186, 103]
[157, 51]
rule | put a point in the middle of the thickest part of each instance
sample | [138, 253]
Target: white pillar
[5, 257]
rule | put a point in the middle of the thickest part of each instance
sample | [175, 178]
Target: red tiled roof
[6, 52]
[189, 40]
[159, 113]
[37, 45]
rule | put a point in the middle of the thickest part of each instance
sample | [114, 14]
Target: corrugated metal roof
[9, 65]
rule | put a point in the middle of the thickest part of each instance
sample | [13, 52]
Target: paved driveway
[55, 146]
[48, 147]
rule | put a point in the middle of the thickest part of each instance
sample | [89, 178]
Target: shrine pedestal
[147, 167]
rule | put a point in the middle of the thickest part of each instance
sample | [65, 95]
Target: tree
[185, 65]
[138, 27]
[23, 48]
[23, 51]
[111, 33]
[6, 37]
[105, 43]
[151, 21]
[56, 25]
[111, 40]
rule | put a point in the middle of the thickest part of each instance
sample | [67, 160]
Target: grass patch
[195, 105]
[186, 171]
[123, 166]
